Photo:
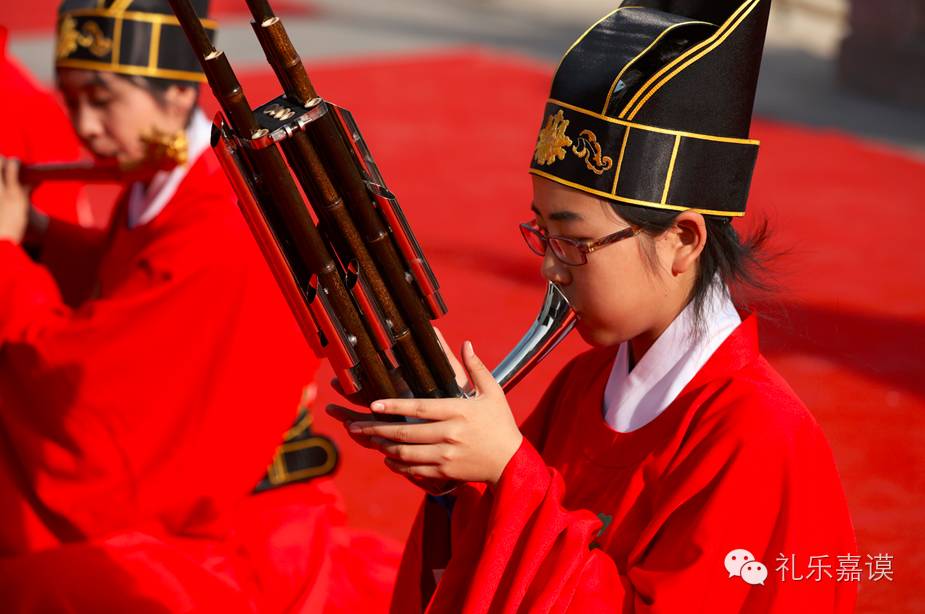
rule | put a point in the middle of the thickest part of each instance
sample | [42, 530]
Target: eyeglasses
[573, 252]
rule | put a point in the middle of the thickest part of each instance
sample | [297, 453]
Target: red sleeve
[164, 399]
[26, 289]
[513, 546]
[72, 254]
[756, 473]
[515, 549]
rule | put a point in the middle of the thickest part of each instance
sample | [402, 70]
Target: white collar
[634, 398]
[145, 204]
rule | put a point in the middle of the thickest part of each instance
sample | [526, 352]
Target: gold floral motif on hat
[90, 36]
[552, 141]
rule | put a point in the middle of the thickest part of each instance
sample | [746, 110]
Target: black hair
[739, 263]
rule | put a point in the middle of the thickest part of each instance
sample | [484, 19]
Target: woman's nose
[86, 123]
[553, 270]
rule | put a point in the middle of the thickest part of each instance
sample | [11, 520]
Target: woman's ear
[690, 231]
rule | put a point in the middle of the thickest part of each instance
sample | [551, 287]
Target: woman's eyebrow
[559, 216]
[565, 216]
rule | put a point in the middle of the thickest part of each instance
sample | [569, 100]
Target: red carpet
[39, 16]
[454, 134]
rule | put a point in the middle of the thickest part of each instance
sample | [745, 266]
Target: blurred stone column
[884, 52]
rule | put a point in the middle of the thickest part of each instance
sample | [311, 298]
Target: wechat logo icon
[742, 563]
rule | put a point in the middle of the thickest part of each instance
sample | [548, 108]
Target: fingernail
[353, 427]
[469, 348]
[377, 406]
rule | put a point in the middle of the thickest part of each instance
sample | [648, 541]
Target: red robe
[134, 426]
[736, 461]
[35, 129]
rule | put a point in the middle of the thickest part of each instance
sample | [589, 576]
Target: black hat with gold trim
[652, 106]
[130, 37]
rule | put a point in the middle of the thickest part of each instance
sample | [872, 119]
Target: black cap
[652, 106]
[131, 37]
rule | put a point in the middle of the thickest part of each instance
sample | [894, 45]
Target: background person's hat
[130, 37]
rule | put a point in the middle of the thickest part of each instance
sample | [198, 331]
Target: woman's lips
[102, 157]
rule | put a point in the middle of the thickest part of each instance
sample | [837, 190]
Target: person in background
[37, 130]
[669, 468]
[138, 418]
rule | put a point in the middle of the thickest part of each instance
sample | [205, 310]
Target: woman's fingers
[461, 379]
[5, 165]
[402, 432]
[480, 375]
[421, 409]
[11, 173]
[348, 417]
[415, 471]
[409, 453]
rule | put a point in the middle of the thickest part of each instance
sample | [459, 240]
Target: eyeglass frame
[584, 246]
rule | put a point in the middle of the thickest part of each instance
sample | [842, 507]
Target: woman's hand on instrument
[14, 202]
[435, 486]
[461, 439]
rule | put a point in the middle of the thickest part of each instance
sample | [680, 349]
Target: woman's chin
[594, 335]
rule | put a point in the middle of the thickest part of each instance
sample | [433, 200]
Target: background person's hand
[14, 202]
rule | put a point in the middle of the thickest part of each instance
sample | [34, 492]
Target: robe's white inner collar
[634, 398]
[146, 202]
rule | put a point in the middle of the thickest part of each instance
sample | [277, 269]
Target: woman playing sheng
[668, 468]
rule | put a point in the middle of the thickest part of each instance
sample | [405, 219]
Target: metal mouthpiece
[554, 322]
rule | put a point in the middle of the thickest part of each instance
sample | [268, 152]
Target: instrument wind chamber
[336, 238]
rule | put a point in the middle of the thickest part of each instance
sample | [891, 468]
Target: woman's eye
[100, 101]
[98, 97]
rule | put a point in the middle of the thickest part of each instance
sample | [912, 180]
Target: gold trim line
[713, 45]
[633, 201]
[154, 49]
[116, 41]
[278, 473]
[678, 60]
[616, 177]
[642, 53]
[674, 158]
[118, 6]
[623, 122]
[128, 69]
[588, 31]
